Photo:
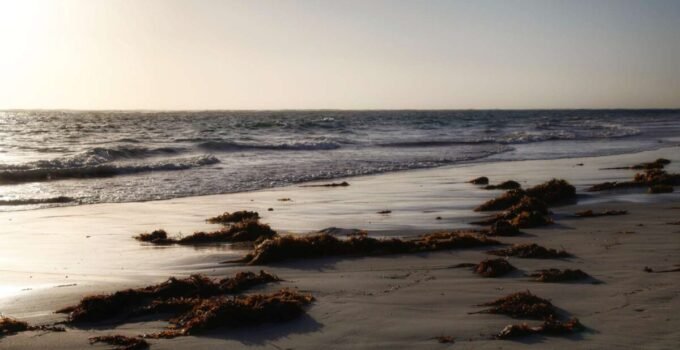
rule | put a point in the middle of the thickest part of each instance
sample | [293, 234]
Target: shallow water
[54, 158]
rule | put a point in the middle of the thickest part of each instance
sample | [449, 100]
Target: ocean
[55, 158]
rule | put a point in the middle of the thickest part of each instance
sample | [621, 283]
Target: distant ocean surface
[52, 158]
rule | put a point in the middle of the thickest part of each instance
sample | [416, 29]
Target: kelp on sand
[237, 312]
[129, 302]
[249, 230]
[530, 251]
[322, 245]
[237, 216]
[557, 275]
[521, 305]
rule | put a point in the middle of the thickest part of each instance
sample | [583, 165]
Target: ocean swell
[98, 171]
[226, 146]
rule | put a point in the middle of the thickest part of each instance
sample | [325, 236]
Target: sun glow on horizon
[207, 54]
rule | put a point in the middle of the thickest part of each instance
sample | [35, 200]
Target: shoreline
[415, 198]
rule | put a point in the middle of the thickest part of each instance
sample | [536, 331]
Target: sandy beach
[51, 258]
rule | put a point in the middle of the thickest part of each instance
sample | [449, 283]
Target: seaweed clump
[494, 268]
[236, 216]
[648, 178]
[243, 231]
[502, 202]
[553, 192]
[550, 326]
[526, 213]
[592, 214]
[482, 180]
[122, 342]
[321, 245]
[156, 237]
[660, 163]
[532, 250]
[237, 312]
[521, 305]
[11, 326]
[127, 302]
[557, 275]
[505, 185]
[503, 228]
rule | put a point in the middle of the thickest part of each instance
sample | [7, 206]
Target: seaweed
[11, 326]
[654, 189]
[657, 164]
[237, 312]
[236, 216]
[494, 267]
[553, 192]
[384, 212]
[506, 185]
[243, 231]
[156, 237]
[322, 245]
[551, 326]
[482, 180]
[528, 219]
[332, 184]
[97, 308]
[557, 275]
[647, 178]
[532, 250]
[502, 202]
[521, 305]
[526, 213]
[122, 342]
[249, 230]
[592, 214]
[503, 228]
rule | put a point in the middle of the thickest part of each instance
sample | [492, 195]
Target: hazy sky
[85, 54]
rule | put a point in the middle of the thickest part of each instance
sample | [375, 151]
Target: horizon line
[336, 109]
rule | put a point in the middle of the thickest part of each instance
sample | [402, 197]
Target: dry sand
[51, 258]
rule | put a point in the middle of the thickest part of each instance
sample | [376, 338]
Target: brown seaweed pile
[127, 302]
[526, 213]
[505, 185]
[521, 305]
[553, 192]
[550, 326]
[650, 177]
[243, 231]
[322, 245]
[237, 216]
[557, 275]
[532, 251]
[332, 184]
[122, 342]
[156, 237]
[494, 268]
[502, 228]
[11, 326]
[660, 163]
[592, 214]
[237, 312]
[482, 180]
[502, 202]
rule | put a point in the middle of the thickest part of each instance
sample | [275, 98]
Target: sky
[205, 54]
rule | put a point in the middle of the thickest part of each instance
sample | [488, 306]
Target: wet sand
[50, 258]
